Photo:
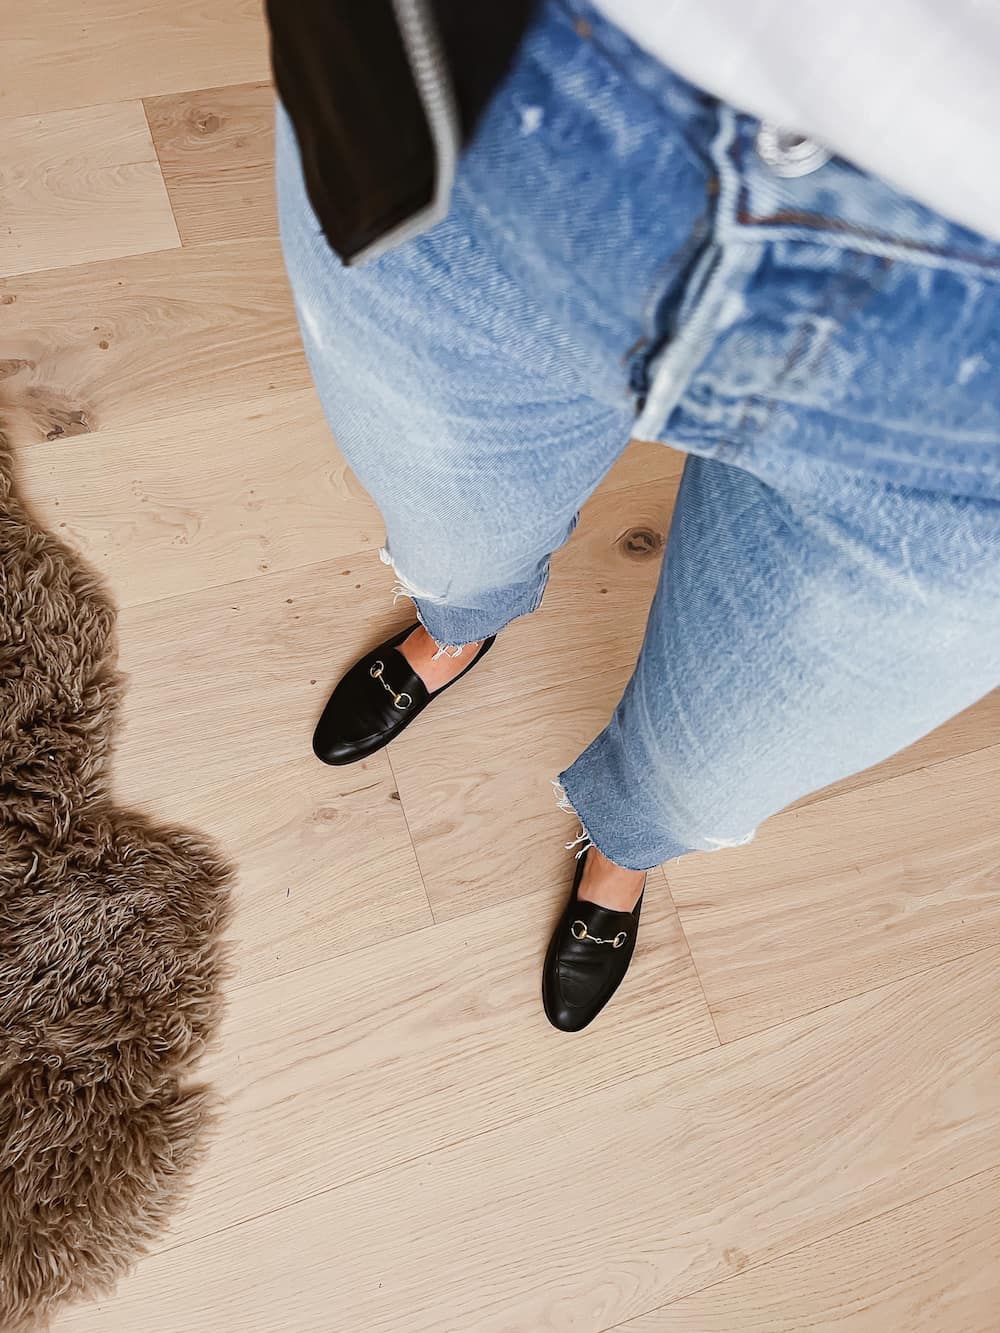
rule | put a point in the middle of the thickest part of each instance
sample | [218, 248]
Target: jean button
[788, 153]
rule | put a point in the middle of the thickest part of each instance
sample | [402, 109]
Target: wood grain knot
[206, 122]
[640, 543]
[13, 366]
[56, 422]
[735, 1258]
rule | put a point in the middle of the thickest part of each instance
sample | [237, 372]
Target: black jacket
[383, 95]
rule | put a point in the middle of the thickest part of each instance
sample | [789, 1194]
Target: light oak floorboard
[346, 1067]
[324, 861]
[133, 341]
[479, 798]
[588, 1214]
[548, 687]
[201, 498]
[216, 149]
[846, 894]
[80, 186]
[929, 1267]
[59, 53]
[204, 498]
[232, 678]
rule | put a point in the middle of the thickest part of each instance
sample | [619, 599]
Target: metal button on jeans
[788, 153]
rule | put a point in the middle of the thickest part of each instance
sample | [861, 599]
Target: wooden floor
[790, 1117]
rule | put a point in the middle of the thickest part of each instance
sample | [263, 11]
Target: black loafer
[377, 699]
[588, 956]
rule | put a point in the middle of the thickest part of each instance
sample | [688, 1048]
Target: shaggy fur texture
[110, 955]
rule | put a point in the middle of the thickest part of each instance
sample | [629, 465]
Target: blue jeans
[618, 261]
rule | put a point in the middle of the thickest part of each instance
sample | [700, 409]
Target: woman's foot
[609, 885]
[434, 667]
[384, 692]
[592, 945]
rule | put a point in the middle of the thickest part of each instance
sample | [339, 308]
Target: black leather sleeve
[342, 71]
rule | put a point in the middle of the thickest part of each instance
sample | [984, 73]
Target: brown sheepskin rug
[110, 954]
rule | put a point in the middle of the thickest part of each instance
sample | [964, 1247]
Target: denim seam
[855, 242]
[742, 416]
[819, 228]
[709, 285]
[828, 306]
[682, 357]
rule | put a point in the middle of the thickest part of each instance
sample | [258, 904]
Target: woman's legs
[613, 238]
[481, 378]
[789, 644]
[478, 443]
[795, 637]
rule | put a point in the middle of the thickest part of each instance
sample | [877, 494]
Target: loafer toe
[374, 701]
[587, 958]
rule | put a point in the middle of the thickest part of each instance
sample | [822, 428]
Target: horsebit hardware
[583, 933]
[377, 673]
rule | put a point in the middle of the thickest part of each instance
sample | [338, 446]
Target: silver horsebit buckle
[583, 933]
[377, 673]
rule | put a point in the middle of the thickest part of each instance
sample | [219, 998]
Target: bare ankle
[436, 665]
[610, 885]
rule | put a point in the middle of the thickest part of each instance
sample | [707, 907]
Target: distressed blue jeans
[620, 260]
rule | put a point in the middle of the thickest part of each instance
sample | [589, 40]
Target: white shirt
[906, 89]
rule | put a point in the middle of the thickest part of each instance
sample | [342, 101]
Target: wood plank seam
[894, 980]
[690, 953]
[163, 178]
[583, 1096]
[83, 190]
[70, 270]
[215, 147]
[823, 795]
[409, 834]
[810, 1244]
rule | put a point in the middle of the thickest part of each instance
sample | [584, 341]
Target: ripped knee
[405, 587]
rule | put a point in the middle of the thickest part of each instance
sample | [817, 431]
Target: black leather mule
[587, 958]
[377, 699]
